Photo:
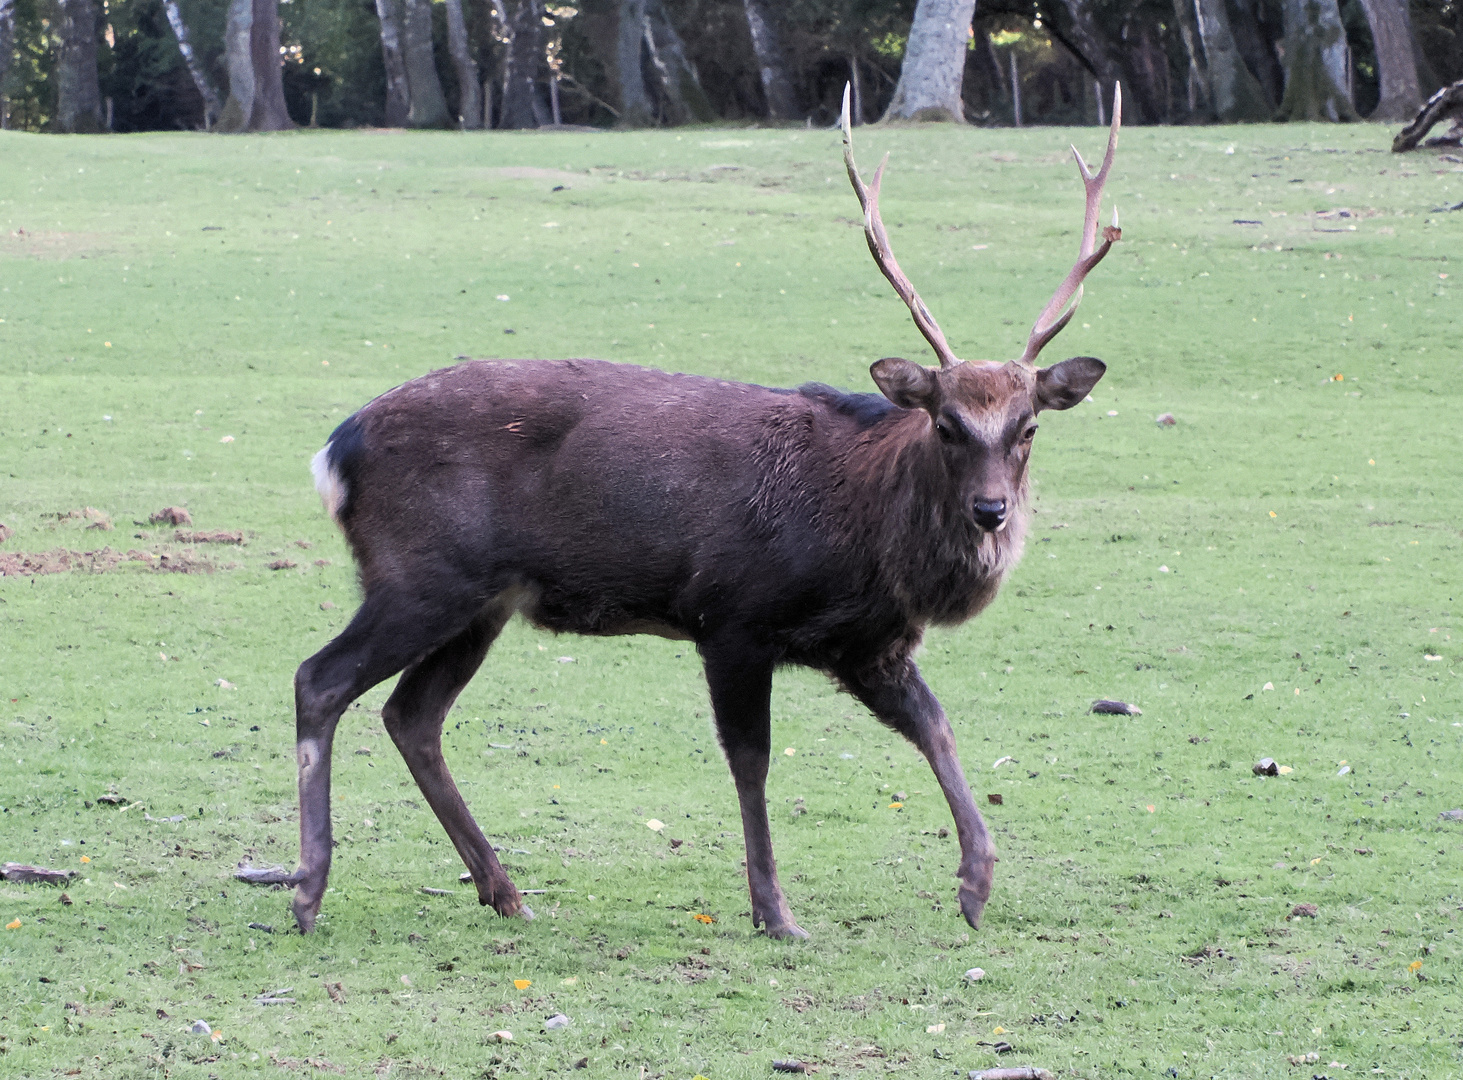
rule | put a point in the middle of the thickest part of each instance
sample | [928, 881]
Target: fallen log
[1446, 104]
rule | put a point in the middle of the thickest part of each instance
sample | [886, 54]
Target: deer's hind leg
[414, 715]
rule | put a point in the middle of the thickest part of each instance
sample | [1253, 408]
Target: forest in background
[138, 65]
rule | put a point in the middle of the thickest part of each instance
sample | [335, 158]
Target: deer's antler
[878, 239]
[1050, 323]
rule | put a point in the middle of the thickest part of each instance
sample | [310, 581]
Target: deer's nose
[990, 513]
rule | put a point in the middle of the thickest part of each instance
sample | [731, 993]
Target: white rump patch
[328, 482]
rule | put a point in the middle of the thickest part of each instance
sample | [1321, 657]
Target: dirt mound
[171, 515]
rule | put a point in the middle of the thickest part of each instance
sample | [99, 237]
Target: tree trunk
[256, 84]
[428, 105]
[1198, 74]
[270, 113]
[1148, 76]
[522, 103]
[7, 50]
[398, 95]
[240, 104]
[470, 102]
[1256, 42]
[686, 100]
[78, 91]
[776, 86]
[934, 63]
[1234, 93]
[1392, 35]
[195, 69]
[630, 39]
[1315, 63]
[1092, 48]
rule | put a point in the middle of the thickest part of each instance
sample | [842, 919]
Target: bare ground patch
[49, 244]
[63, 560]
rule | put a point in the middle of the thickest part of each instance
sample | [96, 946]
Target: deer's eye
[1029, 433]
[946, 433]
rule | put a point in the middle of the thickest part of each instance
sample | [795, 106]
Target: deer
[767, 526]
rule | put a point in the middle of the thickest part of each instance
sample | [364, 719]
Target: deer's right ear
[907, 384]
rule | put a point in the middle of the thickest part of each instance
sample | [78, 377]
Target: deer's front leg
[905, 703]
[741, 693]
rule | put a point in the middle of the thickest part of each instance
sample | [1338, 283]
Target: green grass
[171, 290]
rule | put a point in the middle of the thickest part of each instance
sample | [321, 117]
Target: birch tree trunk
[776, 86]
[1391, 28]
[428, 105]
[934, 63]
[398, 95]
[195, 69]
[1315, 63]
[522, 103]
[78, 90]
[469, 93]
[629, 40]
[1234, 93]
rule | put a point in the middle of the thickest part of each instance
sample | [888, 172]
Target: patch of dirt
[218, 536]
[6, 532]
[99, 519]
[51, 245]
[533, 172]
[62, 560]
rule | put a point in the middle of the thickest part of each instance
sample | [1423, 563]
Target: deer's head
[983, 413]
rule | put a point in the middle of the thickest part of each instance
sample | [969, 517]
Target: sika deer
[770, 527]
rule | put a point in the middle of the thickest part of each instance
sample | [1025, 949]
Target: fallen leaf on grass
[1415, 966]
[707, 919]
[1285, 770]
[934, 1029]
[975, 974]
[555, 1022]
[655, 825]
[13, 924]
[200, 1027]
[501, 1036]
[522, 984]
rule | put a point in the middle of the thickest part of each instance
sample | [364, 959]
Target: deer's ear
[906, 383]
[1063, 385]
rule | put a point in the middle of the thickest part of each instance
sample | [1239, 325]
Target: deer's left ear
[1063, 385]
[907, 384]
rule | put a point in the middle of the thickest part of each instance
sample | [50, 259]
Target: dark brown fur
[768, 526]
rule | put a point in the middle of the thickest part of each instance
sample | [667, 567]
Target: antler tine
[878, 240]
[1049, 323]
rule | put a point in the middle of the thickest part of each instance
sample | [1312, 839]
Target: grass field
[184, 319]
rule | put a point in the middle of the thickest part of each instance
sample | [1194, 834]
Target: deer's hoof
[305, 913]
[972, 905]
[786, 931]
